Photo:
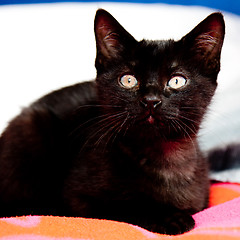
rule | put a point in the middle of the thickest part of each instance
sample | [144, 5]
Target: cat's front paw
[173, 224]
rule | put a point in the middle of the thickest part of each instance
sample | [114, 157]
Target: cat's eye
[128, 81]
[177, 82]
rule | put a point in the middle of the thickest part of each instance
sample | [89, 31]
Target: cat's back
[64, 101]
[49, 117]
[34, 147]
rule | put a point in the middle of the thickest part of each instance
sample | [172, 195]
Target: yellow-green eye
[128, 81]
[177, 82]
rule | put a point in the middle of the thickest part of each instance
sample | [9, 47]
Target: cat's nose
[151, 102]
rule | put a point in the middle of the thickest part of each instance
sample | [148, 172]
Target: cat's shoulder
[80, 93]
[60, 104]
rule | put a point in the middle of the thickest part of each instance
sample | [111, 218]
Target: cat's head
[163, 85]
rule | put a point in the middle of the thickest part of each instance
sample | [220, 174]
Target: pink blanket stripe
[221, 221]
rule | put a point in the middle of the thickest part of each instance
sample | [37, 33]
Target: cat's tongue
[150, 119]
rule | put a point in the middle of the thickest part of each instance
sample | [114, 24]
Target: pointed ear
[111, 38]
[206, 39]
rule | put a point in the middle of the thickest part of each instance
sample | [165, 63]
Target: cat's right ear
[112, 40]
[206, 39]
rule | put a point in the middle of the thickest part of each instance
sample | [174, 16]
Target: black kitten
[122, 147]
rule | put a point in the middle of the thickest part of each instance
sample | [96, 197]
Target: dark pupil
[129, 80]
[176, 81]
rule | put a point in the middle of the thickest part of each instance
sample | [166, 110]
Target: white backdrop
[47, 46]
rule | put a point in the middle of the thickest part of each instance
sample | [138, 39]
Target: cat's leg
[164, 219]
[167, 220]
[153, 217]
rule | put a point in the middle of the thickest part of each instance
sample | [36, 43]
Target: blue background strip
[222, 5]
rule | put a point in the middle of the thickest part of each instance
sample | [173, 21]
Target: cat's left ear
[206, 39]
[112, 40]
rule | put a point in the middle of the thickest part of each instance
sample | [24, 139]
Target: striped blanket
[220, 221]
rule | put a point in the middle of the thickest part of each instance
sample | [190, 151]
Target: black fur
[224, 158]
[99, 149]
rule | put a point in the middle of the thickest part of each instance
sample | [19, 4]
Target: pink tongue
[150, 120]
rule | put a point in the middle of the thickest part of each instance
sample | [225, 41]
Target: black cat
[123, 147]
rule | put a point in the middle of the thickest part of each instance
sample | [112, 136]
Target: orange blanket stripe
[67, 228]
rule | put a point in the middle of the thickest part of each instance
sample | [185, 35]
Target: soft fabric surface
[221, 221]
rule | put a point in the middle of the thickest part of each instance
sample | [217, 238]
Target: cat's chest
[160, 157]
[161, 169]
[155, 170]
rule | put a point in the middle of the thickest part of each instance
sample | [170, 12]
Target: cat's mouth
[151, 119]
